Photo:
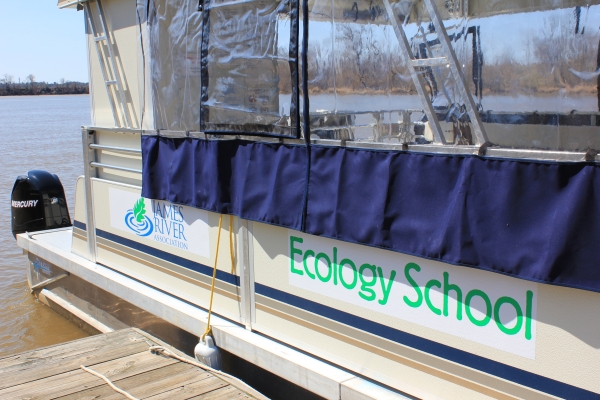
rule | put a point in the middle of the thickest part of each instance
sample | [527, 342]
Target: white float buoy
[207, 353]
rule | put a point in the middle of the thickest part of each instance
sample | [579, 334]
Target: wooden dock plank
[79, 350]
[59, 352]
[32, 372]
[124, 358]
[138, 388]
[78, 380]
[145, 385]
[192, 389]
[228, 392]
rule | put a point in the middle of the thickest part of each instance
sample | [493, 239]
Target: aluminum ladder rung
[459, 77]
[419, 81]
[108, 66]
[450, 60]
[429, 62]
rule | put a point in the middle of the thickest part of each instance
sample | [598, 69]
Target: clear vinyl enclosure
[249, 67]
[516, 74]
[174, 30]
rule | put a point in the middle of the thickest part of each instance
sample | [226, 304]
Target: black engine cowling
[38, 202]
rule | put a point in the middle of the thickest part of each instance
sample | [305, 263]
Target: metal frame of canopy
[433, 62]
[70, 3]
[461, 8]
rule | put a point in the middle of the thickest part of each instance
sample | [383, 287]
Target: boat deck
[121, 356]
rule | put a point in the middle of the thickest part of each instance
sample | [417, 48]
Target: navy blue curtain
[533, 220]
[256, 181]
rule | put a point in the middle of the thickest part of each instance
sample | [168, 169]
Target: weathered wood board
[123, 357]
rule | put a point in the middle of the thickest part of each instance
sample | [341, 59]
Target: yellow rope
[212, 288]
[231, 244]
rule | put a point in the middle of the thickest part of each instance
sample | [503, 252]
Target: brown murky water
[36, 132]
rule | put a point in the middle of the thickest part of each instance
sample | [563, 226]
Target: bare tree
[62, 81]
[8, 79]
[320, 67]
[559, 50]
[30, 78]
[365, 66]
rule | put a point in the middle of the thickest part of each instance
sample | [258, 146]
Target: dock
[124, 358]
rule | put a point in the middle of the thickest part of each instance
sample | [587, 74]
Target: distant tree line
[367, 60]
[8, 87]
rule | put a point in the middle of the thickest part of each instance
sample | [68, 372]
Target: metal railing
[114, 148]
[92, 165]
[115, 167]
[497, 152]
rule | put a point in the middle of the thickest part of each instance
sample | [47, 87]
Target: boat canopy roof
[69, 3]
[475, 7]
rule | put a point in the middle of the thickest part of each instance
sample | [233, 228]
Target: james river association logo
[137, 221]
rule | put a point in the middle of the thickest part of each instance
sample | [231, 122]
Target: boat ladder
[449, 60]
[108, 66]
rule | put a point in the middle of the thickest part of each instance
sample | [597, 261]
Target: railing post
[246, 274]
[89, 155]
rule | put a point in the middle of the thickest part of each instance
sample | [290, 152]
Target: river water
[36, 132]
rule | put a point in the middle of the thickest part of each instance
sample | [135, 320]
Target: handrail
[101, 165]
[499, 152]
[114, 148]
[113, 129]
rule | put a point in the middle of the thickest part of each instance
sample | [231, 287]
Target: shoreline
[43, 88]
[43, 94]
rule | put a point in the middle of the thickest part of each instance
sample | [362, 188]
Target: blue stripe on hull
[482, 364]
[163, 255]
[516, 375]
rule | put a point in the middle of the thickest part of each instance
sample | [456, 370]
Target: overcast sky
[37, 38]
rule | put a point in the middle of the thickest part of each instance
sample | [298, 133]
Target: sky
[37, 38]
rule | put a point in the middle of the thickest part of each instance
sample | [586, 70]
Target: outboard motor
[38, 203]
